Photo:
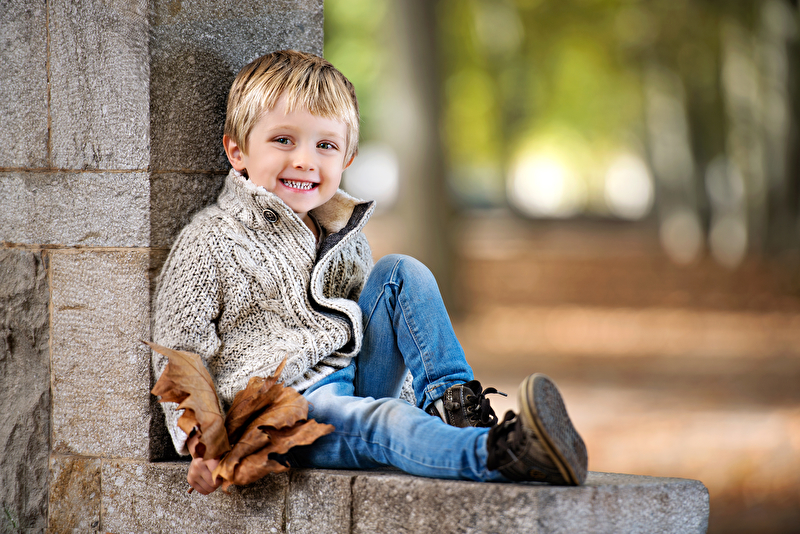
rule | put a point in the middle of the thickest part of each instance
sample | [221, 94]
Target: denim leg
[406, 326]
[372, 433]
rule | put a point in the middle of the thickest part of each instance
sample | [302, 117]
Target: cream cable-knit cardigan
[244, 287]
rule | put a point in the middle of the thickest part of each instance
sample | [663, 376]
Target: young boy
[279, 267]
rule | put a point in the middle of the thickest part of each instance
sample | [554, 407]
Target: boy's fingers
[202, 486]
[198, 484]
[200, 477]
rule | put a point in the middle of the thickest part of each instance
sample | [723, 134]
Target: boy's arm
[188, 303]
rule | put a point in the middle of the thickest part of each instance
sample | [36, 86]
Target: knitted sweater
[244, 286]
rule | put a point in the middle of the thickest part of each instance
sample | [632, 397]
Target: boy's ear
[234, 153]
[349, 162]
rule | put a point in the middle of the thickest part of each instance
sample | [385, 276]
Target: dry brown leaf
[303, 433]
[255, 465]
[259, 393]
[266, 417]
[263, 431]
[289, 407]
[251, 442]
[186, 381]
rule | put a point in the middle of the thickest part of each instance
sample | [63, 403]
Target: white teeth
[297, 185]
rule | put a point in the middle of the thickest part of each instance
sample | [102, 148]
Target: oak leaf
[186, 381]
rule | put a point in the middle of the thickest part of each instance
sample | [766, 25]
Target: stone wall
[112, 114]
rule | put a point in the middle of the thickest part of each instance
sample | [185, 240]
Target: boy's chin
[306, 202]
[301, 208]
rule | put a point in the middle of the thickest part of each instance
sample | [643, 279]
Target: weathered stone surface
[607, 503]
[627, 503]
[403, 503]
[174, 198]
[197, 48]
[99, 65]
[305, 13]
[319, 501]
[23, 62]
[86, 209]
[101, 209]
[152, 497]
[24, 389]
[74, 494]
[100, 369]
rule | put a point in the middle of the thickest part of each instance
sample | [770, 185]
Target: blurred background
[607, 192]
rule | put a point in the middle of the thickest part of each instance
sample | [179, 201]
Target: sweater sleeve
[188, 303]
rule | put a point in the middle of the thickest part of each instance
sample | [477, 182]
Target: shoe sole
[543, 410]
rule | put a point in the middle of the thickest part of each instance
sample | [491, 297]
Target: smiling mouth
[300, 186]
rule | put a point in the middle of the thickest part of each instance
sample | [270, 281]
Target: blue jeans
[406, 326]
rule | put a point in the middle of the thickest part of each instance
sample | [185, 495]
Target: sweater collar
[257, 208]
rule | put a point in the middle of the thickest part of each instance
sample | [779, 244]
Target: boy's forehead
[280, 117]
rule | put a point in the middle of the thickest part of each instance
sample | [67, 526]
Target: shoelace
[479, 410]
[509, 443]
[499, 447]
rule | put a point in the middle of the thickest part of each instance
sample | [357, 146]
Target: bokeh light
[543, 185]
[374, 175]
[629, 190]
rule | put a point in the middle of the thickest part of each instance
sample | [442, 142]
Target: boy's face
[297, 156]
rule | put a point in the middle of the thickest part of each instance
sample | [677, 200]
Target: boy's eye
[326, 145]
[282, 140]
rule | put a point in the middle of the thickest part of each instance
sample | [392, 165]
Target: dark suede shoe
[465, 405]
[539, 444]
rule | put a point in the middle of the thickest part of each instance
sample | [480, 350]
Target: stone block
[74, 494]
[196, 49]
[174, 198]
[100, 369]
[403, 503]
[627, 503]
[99, 96]
[23, 93]
[607, 503]
[152, 497]
[319, 501]
[24, 389]
[101, 209]
[75, 209]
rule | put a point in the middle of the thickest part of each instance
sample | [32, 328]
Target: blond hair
[308, 82]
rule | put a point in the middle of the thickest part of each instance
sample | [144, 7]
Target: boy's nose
[303, 160]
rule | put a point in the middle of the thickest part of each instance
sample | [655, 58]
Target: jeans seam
[383, 291]
[410, 330]
[393, 282]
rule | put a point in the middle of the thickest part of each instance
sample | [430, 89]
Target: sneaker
[465, 405]
[539, 444]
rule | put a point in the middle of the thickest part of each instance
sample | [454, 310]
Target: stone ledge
[152, 497]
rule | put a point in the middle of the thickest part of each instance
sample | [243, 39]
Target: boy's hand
[200, 477]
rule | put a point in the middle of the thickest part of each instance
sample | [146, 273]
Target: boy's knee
[400, 265]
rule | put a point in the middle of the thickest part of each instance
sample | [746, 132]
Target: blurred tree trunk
[412, 126]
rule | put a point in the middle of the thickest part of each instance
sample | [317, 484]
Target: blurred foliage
[353, 43]
[588, 79]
